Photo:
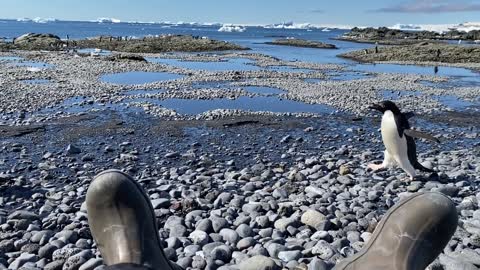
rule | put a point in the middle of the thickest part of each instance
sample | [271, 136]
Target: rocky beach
[274, 177]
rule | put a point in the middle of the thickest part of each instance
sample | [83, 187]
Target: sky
[351, 12]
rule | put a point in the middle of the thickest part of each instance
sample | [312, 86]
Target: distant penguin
[398, 139]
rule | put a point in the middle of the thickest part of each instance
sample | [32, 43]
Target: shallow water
[450, 101]
[270, 104]
[139, 77]
[241, 64]
[10, 58]
[289, 69]
[314, 80]
[423, 70]
[454, 102]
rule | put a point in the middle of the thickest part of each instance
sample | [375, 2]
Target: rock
[230, 236]
[23, 259]
[160, 203]
[199, 237]
[258, 263]
[450, 263]
[64, 253]
[205, 225]
[72, 149]
[55, 265]
[275, 248]
[222, 253]
[245, 243]
[185, 262]
[313, 219]
[244, 231]
[74, 262]
[91, 264]
[323, 250]
[317, 264]
[288, 256]
[172, 155]
[218, 223]
[22, 214]
[38, 236]
[344, 170]
[283, 223]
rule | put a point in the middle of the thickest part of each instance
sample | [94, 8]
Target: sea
[253, 37]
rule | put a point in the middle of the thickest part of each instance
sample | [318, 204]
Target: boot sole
[377, 232]
[147, 200]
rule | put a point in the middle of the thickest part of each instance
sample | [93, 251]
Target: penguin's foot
[375, 167]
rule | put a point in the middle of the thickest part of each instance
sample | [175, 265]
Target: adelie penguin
[399, 141]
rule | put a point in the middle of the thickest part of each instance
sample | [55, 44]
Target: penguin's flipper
[420, 135]
[409, 115]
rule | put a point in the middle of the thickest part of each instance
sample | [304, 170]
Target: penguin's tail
[420, 167]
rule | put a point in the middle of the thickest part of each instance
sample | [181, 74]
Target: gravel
[261, 191]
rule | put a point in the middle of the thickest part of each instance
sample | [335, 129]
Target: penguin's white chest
[395, 145]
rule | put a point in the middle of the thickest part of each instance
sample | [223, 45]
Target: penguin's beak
[377, 107]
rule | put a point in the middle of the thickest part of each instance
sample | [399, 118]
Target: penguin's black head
[386, 105]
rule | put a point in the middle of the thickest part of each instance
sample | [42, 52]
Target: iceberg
[306, 26]
[232, 28]
[108, 20]
[37, 20]
[440, 28]
[290, 25]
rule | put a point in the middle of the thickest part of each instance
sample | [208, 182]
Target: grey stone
[23, 259]
[91, 264]
[259, 263]
[244, 231]
[288, 256]
[313, 219]
[230, 236]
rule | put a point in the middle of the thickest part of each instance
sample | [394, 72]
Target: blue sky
[352, 12]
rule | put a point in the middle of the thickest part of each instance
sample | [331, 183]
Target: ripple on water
[240, 64]
[413, 69]
[454, 102]
[289, 69]
[450, 101]
[139, 77]
[10, 58]
[269, 104]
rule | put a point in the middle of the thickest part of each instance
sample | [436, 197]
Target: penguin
[399, 141]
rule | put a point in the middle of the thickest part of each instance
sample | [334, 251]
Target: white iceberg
[108, 20]
[232, 28]
[37, 20]
[440, 28]
[306, 26]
